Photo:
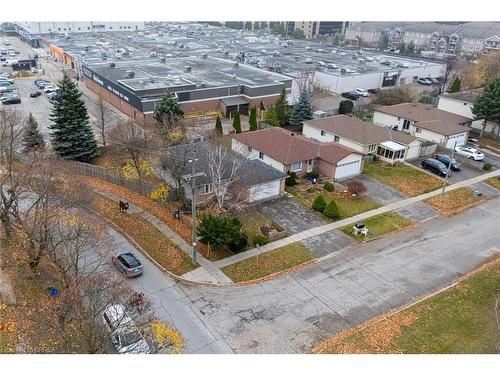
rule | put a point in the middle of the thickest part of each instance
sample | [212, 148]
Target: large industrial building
[203, 85]
[46, 27]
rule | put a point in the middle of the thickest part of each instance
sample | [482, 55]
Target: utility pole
[448, 170]
[193, 206]
[238, 100]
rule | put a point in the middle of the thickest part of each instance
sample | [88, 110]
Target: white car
[470, 153]
[123, 332]
[343, 53]
[50, 88]
[361, 92]
[332, 66]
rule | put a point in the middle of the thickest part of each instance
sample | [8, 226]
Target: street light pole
[448, 170]
[193, 207]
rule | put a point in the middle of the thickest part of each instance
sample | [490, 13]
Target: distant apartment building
[313, 29]
[46, 27]
[457, 39]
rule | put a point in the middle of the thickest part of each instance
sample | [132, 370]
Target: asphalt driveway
[378, 191]
[465, 173]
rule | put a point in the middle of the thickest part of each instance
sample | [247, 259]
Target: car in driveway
[470, 153]
[361, 92]
[446, 160]
[50, 88]
[128, 264]
[424, 81]
[123, 332]
[351, 95]
[11, 99]
[435, 166]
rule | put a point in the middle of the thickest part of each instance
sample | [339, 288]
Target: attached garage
[460, 139]
[348, 167]
[265, 191]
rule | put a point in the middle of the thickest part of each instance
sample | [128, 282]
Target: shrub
[328, 186]
[222, 232]
[291, 180]
[313, 174]
[319, 204]
[260, 239]
[487, 167]
[345, 106]
[332, 211]
[356, 187]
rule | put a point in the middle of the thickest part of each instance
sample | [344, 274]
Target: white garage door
[347, 169]
[265, 191]
[459, 138]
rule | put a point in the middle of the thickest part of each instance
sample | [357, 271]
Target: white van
[332, 66]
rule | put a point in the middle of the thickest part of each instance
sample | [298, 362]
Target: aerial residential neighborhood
[249, 187]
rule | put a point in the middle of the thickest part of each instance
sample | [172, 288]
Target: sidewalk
[207, 271]
[351, 220]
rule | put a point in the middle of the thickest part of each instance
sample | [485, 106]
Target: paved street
[292, 313]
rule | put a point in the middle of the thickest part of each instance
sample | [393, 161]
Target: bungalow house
[461, 103]
[289, 152]
[424, 122]
[363, 137]
[246, 181]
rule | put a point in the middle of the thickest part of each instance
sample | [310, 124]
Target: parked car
[332, 66]
[470, 153]
[433, 81]
[50, 88]
[128, 264]
[53, 95]
[361, 92]
[41, 85]
[40, 81]
[35, 94]
[435, 166]
[6, 79]
[424, 81]
[123, 332]
[351, 95]
[5, 90]
[36, 69]
[446, 160]
[11, 99]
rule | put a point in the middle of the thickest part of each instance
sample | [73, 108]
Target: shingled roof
[468, 96]
[358, 131]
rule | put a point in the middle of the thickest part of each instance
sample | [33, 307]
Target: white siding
[413, 151]
[385, 120]
[265, 191]
[460, 138]
[314, 133]
[463, 109]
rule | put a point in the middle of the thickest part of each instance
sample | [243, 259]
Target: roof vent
[112, 65]
[204, 56]
[130, 74]
[187, 69]
[163, 59]
[153, 79]
[236, 65]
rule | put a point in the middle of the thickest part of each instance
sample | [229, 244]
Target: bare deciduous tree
[102, 119]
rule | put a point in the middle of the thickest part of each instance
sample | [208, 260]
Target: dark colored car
[435, 166]
[11, 99]
[351, 95]
[128, 264]
[373, 91]
[35, 94]
[445, 159]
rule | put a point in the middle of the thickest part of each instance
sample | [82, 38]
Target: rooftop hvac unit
[226, 54]
[204, 56]
[130, 74]
[153, 79]
[187, 69]
[112, 65]
[163, 59]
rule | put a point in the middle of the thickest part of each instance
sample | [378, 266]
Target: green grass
[458, 320]
[268, 263]
[379, 225]
[351, 206]
[408, 180]
[252, 221]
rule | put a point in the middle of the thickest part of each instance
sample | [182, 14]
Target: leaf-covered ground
[494, 181]
[454, 201]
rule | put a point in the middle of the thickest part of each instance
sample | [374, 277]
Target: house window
[322, 132]
[372, 148]
[406, 124]
[261, 155]
[206, 189]
[418, 130]
[336, 138]
[250, 150]
[296, 167]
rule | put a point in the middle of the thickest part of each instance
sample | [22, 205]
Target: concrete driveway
[377, 190]
[293, 313]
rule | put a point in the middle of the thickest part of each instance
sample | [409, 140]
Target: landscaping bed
[494, 181]
[347, 204]
[454, 201]
[259, 228]
[268, 263]
[379, 225]
[408, 180]
[461, 319]
[156, 244]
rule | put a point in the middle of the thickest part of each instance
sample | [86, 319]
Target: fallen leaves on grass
[381, 337]
[494, 181]
[454, 201]
[155, 243]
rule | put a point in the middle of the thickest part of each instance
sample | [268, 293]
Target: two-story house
[424, 122]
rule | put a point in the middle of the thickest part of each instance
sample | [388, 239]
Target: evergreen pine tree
[72, 136]
[282, 109]
[218, 127]
[32, 138]
[455, 86]
[168, 109]
[271, 117]
[237, 122]
[302, 110]
[253, 119]
[487, 105]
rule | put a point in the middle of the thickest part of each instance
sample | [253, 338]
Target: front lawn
[494, 181]
[268, 263]
[454, 201]
[408, 180]
[379, 225]
[462, 319]
[347, 204]
[156, 244]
